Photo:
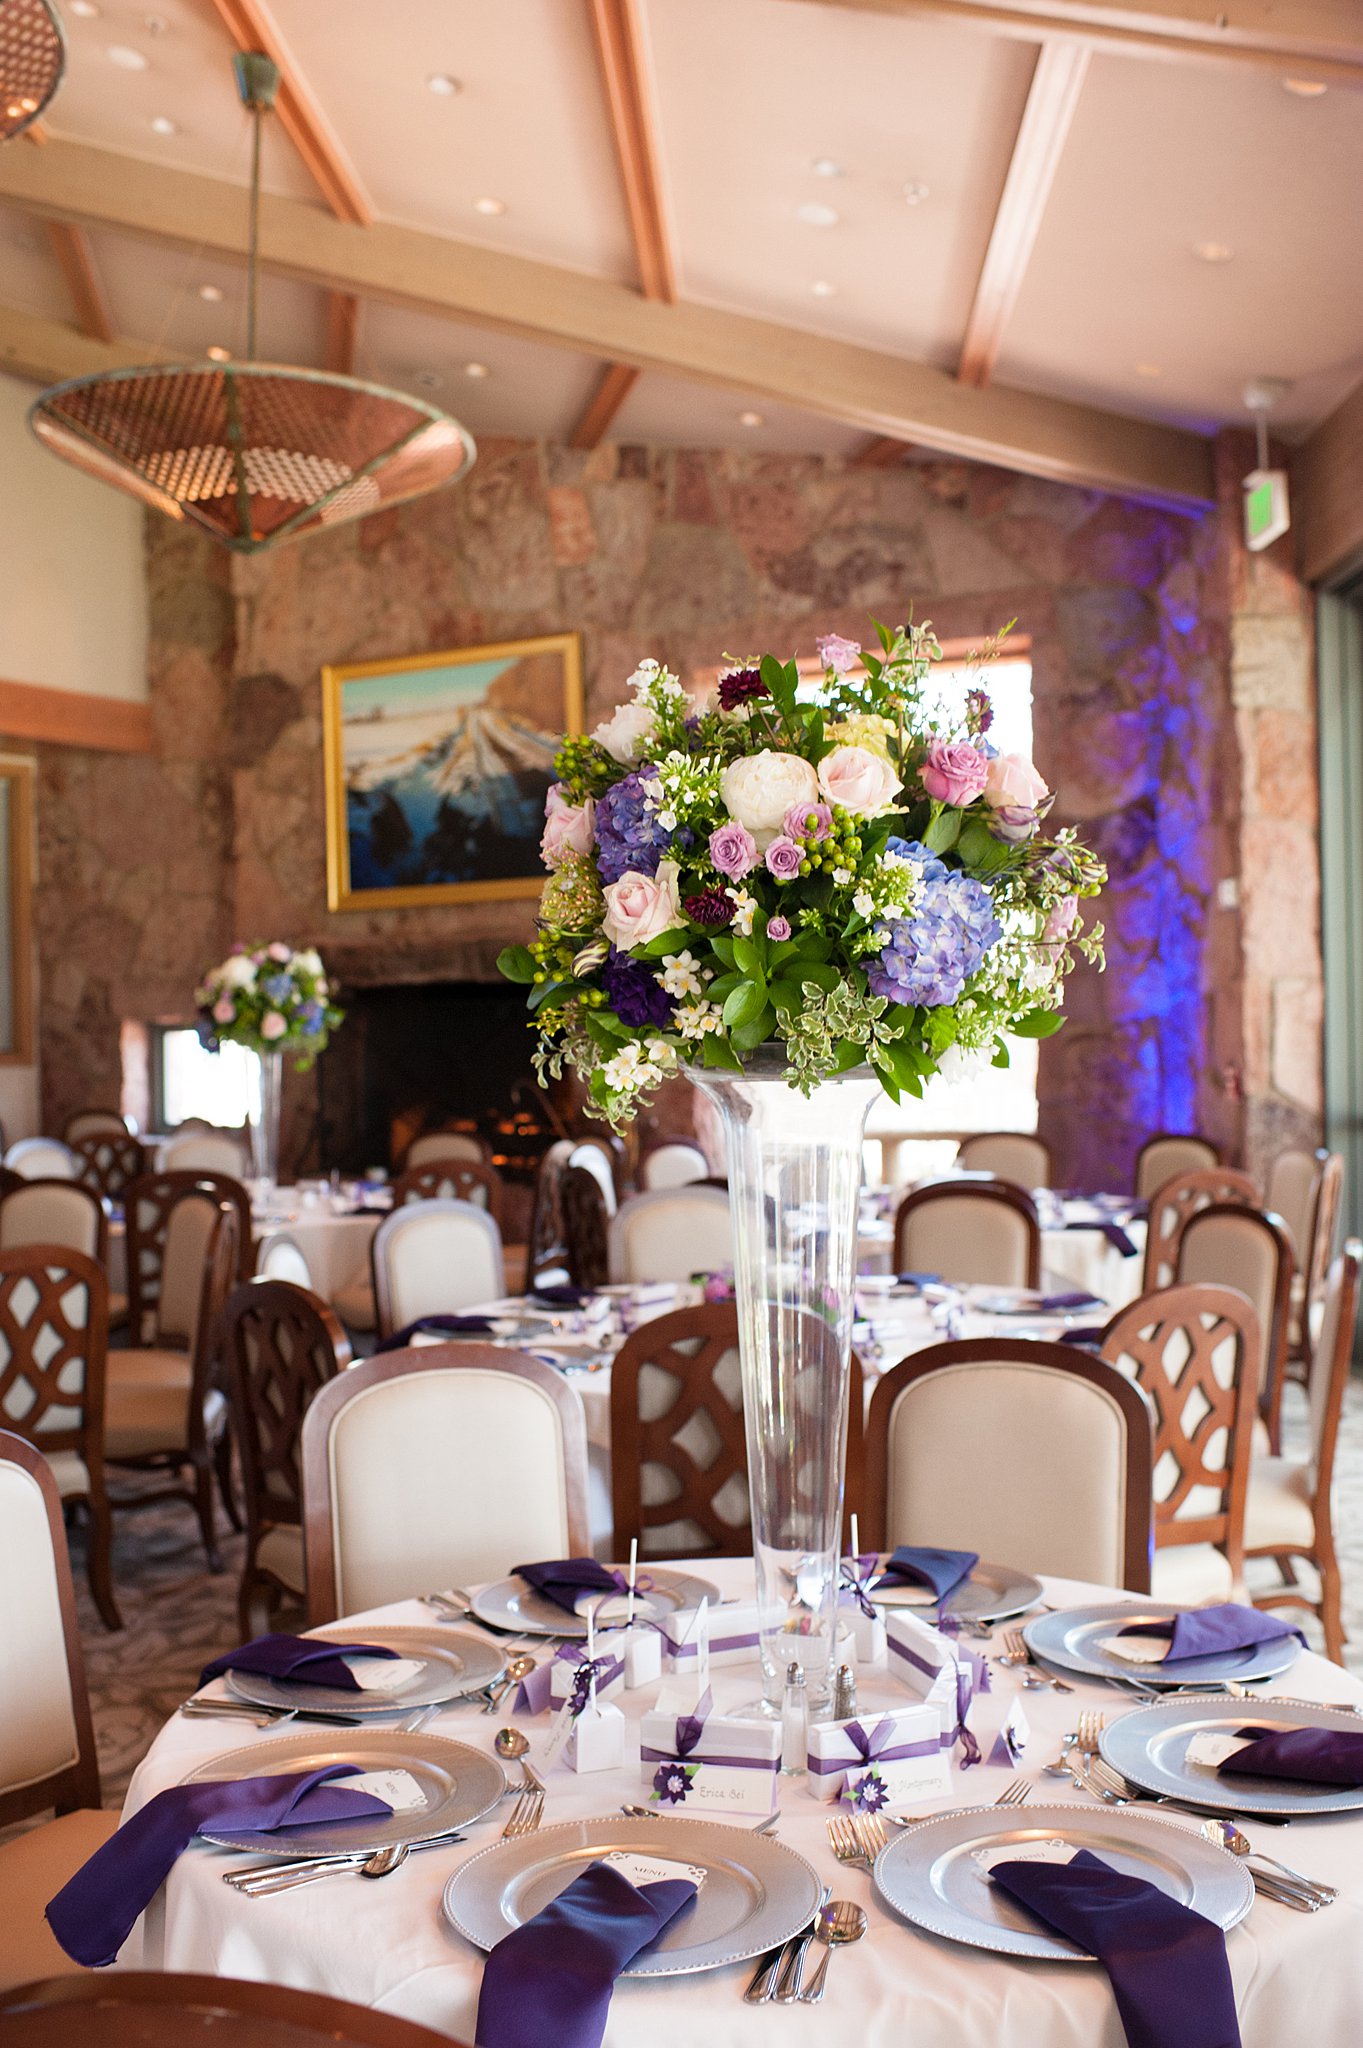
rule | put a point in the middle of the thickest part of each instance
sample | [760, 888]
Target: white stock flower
[745, 906]
[863, 904]
[681, 974]
[239, 971]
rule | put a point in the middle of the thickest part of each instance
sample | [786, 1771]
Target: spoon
[514, 1745]
[453, 1605]
[1228, 1836]
[1061, 1767]
[518, 1667]
[839, 1923]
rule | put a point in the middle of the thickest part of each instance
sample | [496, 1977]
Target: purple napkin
[943, 1570]
[1166, 1963]
[448, 1326]
[561, 1296]
[1214, 1631]
[93, 1913]
[550, 1980]
[307, 1660]
[565, 1579]
[1080, 1299]
[1114, 1234]
[918, 1279]
[1316, 1756]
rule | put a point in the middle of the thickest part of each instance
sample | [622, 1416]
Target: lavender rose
[808, 821]
[778, 928]
[733, 850]
[783, 859]
[954, 772]
[837, 653]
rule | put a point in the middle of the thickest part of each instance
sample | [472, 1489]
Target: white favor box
[836, 1753]
[733, 1766]
[643, 1649]
[733, 1632]
[610, 1651]
[927, 1662]
[596, 1740]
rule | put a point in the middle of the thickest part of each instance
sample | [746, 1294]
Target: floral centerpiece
[273, 1000]
[839, 867]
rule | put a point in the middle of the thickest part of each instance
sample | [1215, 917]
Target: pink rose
[1064, 916]
[778, 928]
[837, 653]
[733, 850]
[797, 825]
[1011, 782]
[954, 772]
[224, 1010]
[568, 828]
[783, 859]
[272, 1025]
[862, 782]
[280, 952]
[641, 907]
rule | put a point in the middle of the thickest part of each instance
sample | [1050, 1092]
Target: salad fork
[526, 1815]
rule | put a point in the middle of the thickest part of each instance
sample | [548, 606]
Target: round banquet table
[386, 1944]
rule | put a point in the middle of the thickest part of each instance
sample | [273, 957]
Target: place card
[383, 1674]
[398, 1789]
[1011, 1740]
[702, 1762]
[653, 1870]
[1209, 1749]
[1052, 1851]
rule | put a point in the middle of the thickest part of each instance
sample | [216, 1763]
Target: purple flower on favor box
[783, 859]
[741, 686]
[629, 839]
[797, 821]
[634, 993]
[778, 928]
[671, 1783]
[837, 653]
[867, 1793]
[733, 850]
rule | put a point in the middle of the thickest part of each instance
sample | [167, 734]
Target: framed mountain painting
[437, 766]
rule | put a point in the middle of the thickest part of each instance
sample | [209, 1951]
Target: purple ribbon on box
[691, 1648]
[686, 1740]
[856, 1580]
[592, 1670]
[873, 1747]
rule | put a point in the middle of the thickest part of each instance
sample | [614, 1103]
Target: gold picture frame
[437, 766]
[17, 1036]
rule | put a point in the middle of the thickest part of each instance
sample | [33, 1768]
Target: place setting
[1136, 1647]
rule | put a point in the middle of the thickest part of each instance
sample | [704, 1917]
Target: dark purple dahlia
[711, 906]
[633, 993]
[740, 686]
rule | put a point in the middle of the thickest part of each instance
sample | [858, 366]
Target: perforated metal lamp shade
[32, 60]
[252, 452]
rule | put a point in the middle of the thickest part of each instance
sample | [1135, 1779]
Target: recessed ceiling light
[442, 85]
[826, 167]
[1149, 370]
[155, 24]
[219, 355]
[1304, 88]
[429, 380]
[815, 214]
[1213, 252]
[126, 58]
[212, 293]
[822, 289]
[915, 192]
[86, 9]
[161, 124]
[476, 370]
[489, 206]
[752, 419]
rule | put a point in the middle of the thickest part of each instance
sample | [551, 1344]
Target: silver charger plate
[929, 1875]
[1148, 1747]
[512, 1605]
[458, 1785]
[757, 1893]
[993, 1592]
[453, 1666]
[1070, 1640]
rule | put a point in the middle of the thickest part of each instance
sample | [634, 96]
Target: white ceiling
[1115, 308]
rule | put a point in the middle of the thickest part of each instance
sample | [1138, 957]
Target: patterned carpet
[178, 1614]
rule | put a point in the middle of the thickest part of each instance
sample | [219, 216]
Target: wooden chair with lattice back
[1174, 1203]
[108, 1161]
[1195, 1350]
[147, 1206]
[54, 1335]
[452, 1180]
[679, 1457]
[280, 1344]
[546, 1249]
[586, 1226]
[1315, 1249]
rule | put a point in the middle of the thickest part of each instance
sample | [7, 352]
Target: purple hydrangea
[928, 956]
[628, 835]
[633, 993]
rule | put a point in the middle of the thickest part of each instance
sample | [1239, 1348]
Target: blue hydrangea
[928, 956]
[628, 835]
[278, 987]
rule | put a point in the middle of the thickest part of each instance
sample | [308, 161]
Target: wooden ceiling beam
[252, 27]
[619, 37]
[1320, 39]
[48, 352]
[882, 394]
[343, 330]
[598, 416]
[71, 247]
[1052, 98]
[1327, 493]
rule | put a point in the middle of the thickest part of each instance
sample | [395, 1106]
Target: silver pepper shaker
[794, 1723]
[845, 1693]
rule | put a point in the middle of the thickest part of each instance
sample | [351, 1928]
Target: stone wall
[1164, 669]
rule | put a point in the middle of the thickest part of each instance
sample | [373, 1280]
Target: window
[190, 1081]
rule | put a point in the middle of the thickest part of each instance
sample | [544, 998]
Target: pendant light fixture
[254, 453]
[32, 60]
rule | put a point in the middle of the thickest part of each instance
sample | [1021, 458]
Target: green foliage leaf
[717, 1052]
[1037, 1024]
[723, 948]
[821, 976]
[745, 1036]
[749, 956]
[744, 1003]
[943, 832]
[517, 963]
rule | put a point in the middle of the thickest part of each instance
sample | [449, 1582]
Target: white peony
[237, 972]
[310, 961]
[626, 733]
[759, 789]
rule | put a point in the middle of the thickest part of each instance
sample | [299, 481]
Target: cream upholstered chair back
[93, 1123]
[444, 1145]
[47, 1755]
[53, 1212]
[670, 1234]
[282, 1258]
[42, 1159]
[1228, 1246]
[449, 1464]
[1332, 1358]
[593, 1160]
[673, 1165]
[1160, 1158]
[204, 1152]
[1019, 1156]
[188, 1231]
[434, 1258]
[1290, 1192]
[1038, 1453]
[970, 1231]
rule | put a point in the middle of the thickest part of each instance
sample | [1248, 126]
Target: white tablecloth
[385, 1944]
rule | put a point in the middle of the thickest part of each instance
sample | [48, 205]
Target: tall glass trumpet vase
[794, 1166]
[265, 1120]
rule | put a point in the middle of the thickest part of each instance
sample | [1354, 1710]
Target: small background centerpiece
[273, 1001]
[816, 888]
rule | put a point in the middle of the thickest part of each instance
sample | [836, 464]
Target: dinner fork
[526, 1816]
[1015, 1794]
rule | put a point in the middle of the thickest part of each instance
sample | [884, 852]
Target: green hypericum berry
[804, 867]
